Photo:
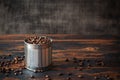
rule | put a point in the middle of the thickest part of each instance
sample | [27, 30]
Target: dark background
[87, 17]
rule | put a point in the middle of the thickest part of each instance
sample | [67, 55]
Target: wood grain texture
[85, 48]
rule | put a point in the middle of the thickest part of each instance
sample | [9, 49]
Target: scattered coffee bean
[106, 75]
[20, 73]
[74, 58]
[69, 73]
[60, 74]
[109, 78]
[67, 60]
[80, 76]
[88, 60]
[38, 70]
[81, 64]
[69, 78]
[15, 73]
[46, 76]
[32, 76]
[35, 71]
[9, 55]
[80, 69]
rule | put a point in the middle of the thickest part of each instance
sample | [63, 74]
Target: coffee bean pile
[7, 62]
[42, 40]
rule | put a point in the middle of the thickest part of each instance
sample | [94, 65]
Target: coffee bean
[35, 71]
[69, 78]
[81, 64]
[46, 76]
[9, 55]
[15, 73]
[88, 60]
[75, 61]
[60, 74]
[80, 69]
[32, 76]
[48, 79]
[80, 76]
[74, 58]
[66, 60]
[95, 77]
[20, 73]
[109, 78]
[106, 75]
[69, 73]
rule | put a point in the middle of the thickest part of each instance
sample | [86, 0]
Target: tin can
[37, 57]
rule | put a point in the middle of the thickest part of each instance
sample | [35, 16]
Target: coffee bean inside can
[38, 53]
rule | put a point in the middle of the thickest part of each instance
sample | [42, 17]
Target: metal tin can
[37, 57]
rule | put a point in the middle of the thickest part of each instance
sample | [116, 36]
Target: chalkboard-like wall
[88, 17]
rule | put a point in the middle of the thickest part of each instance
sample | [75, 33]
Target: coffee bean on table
[20, 73]
[69, 78]
[66, 60]
[80, 76]
[46, 76]
[95, 77]
[15, 73]
[32, 76]
[60, 74]
[69, 73]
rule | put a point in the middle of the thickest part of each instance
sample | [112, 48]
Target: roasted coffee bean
[80, 69]
[46, 76]
[95, 77]
[32, 76]
[75, 61]
[106, 75]
[80, 76]
[69, 78]
[109, 78]
[81, 64]
[40, 70]
[88, 60]
[12, 69]
[20, 73]
[48, 79]
[66, 60]
[15, 73]
[13, 61]
[88, 66]
[69, 73]
[16, 58]
[4, 57]
[35, 71]
[60, 74]
[9, 55]
[74, 58]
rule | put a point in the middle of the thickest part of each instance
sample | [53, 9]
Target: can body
[37, 57]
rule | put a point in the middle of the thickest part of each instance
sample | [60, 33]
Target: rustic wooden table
[75, 57]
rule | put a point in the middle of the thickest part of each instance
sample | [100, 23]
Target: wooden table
[75, 57]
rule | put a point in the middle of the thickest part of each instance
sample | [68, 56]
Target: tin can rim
[25, 41]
